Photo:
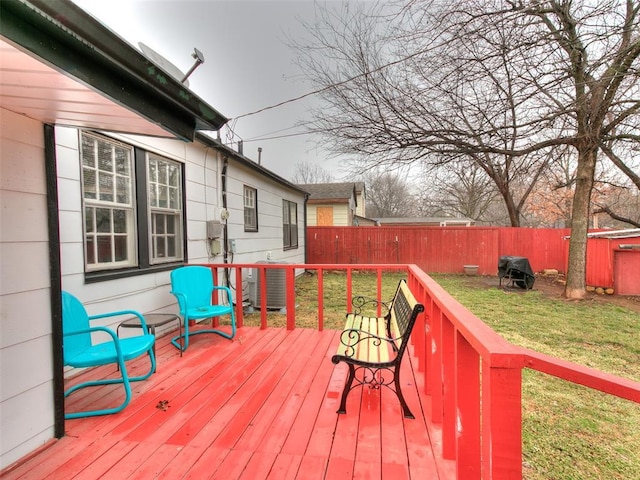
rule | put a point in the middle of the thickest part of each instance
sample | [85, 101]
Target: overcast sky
[248, 65]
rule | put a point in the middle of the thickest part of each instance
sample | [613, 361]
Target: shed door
[325, 216]
[627, 272]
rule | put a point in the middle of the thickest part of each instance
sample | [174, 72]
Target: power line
[333, 85]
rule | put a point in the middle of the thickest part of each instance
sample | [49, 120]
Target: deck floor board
[262, 406]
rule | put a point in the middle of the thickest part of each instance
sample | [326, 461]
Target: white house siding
[203, 166]
[267, 243]
[26, 378]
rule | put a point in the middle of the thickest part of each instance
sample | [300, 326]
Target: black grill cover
[517, 269]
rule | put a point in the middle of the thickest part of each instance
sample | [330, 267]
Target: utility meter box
[214, 229]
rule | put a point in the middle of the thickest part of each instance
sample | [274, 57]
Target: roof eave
[70, 40]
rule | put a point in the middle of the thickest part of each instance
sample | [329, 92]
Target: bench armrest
[360, 302]
[351, 337]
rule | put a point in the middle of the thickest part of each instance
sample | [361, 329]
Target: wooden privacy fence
[438, 249]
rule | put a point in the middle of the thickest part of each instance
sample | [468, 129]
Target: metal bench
[373, 347]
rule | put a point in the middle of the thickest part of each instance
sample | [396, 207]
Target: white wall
[26, 373]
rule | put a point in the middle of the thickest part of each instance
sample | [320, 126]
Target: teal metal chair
[193, 287]
[81, 352]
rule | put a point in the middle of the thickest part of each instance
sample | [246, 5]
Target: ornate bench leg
[405, 407]
[347, 389]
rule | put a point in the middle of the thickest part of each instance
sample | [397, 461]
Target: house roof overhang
[60, 65]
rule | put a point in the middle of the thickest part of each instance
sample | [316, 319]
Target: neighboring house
[88, 126]
[335, 204]
[427, 221]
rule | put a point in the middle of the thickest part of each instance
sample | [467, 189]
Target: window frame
[176, 211]
[288, 229]
[142, 251]
[250, 226]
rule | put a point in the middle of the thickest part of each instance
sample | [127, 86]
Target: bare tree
[388, 195]
[306, 172]
[462, 189]
[503, 83]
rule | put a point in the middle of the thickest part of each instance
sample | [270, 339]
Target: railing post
[468, 403]
[239, 297]
[320, 299]
[262, 294]
[349, 288]
[436, 365]
[501, 422]
[291, 297]
[449, 423]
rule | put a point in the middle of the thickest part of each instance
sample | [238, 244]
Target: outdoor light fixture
[197, 54]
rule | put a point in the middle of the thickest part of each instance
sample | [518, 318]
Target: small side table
[153, 320]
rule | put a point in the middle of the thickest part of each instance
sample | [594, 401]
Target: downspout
[225, 232]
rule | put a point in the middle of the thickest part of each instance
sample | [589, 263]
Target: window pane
[106, 187]
[105, 159]
[293, 219]
[88, 151]
[174, 176]
[163, 197]
[162, 173]
[159, 225]
[91, 245]
[120, 221]
[89, 183]
[120, 243]
[123, 161]
[104, 249]
[103, 220]
[153, 195]
[160, 250]
[172, 224]
[171, 247]
[153, 171]
[123, 189]
[174, 199]
[88, 220]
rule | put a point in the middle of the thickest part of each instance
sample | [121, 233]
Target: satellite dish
[163, 63]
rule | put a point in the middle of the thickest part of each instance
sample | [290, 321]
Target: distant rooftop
[442, 221]
[331, 191]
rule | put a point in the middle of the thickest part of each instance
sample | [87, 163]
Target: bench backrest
[402, 316]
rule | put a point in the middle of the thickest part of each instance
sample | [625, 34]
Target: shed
[613, 260]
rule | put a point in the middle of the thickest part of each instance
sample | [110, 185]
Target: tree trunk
[577, 268]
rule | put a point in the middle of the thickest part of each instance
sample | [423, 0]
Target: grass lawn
[569, 432]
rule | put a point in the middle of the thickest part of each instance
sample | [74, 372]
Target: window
[250, 209]
[289, 224]
[132, 206]
[108, 203]
[165, 206]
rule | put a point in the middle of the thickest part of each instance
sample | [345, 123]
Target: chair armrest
[143, 323]
[114, 336]
[182, 301]
[226, 289]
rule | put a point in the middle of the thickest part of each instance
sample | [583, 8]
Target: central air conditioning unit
[276, 285]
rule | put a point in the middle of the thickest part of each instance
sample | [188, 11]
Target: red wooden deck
[260, 407]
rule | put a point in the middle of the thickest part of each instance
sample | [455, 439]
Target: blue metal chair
[193, 287]
[80, 352]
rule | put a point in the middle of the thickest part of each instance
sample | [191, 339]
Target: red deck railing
[472, 375]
